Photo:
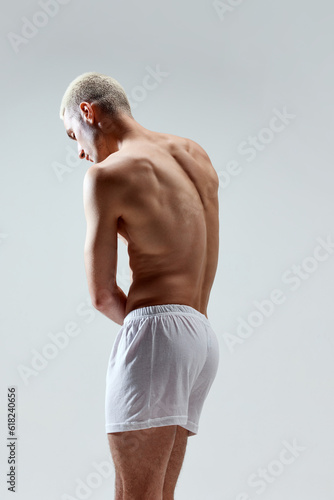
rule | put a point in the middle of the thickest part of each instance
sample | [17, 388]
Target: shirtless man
[159, 193]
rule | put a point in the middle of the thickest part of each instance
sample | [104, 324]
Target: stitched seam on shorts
[149, 420]
[170, 313]
[151, 370]
[190, 422]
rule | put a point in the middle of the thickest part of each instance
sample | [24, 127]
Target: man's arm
[101, 211]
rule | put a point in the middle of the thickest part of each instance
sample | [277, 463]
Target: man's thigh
[141, 457]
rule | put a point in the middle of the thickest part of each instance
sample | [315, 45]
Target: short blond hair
[104, 90]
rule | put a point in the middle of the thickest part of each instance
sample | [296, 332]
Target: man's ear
[87, 112]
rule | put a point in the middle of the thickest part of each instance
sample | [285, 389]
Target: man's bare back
[170, 220]
[159, 194]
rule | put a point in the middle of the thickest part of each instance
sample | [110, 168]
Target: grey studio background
[252, 82]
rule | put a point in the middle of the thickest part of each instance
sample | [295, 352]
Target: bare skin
[158, 193]
[170, 223]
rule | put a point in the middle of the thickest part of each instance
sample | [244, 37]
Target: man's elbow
[97, 304]
[102, 299]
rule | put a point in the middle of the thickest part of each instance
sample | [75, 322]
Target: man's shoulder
[110, 179]
[197, 148]
[191, 146]
[110, 169]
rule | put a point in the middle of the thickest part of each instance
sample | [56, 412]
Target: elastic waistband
[158, 310]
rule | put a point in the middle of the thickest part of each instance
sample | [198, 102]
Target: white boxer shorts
[161, 367]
